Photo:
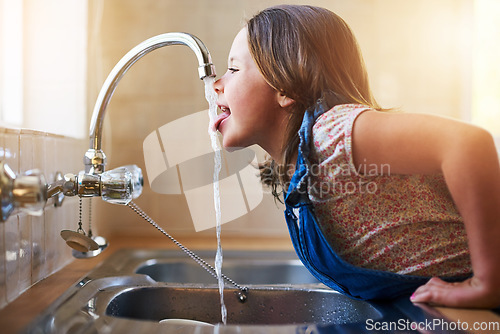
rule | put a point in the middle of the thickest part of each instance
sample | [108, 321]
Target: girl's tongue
[220, 118]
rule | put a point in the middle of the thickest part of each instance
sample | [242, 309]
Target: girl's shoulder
[332, 131]
[338, 121]
[340, 114]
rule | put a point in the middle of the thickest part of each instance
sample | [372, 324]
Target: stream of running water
[211, 97]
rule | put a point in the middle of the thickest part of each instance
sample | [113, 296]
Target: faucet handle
[30, 192]
[137, 180]
[122, 184]
[27, 192]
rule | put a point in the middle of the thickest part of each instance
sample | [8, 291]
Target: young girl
[378, 203]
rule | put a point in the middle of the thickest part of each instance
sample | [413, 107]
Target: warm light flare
[486, 66]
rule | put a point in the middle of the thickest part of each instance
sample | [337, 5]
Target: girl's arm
[467, 157]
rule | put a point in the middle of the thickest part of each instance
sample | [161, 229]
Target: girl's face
[251, 109]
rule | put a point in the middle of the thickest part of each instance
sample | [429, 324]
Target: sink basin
[271, 306]
[244, 271]
[256, 267]
[133, 290]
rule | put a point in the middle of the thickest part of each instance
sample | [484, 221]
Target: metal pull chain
[80, 229]
[90, 216]
[242, 294]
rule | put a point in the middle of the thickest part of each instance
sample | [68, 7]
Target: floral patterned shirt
[407, 224]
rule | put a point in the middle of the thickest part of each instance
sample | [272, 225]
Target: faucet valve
[122, 184]
[27, 192]
[94, 161]
[119, 185]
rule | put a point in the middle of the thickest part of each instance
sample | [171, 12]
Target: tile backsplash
[30, 246]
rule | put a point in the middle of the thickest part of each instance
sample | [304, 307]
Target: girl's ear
[284, 100]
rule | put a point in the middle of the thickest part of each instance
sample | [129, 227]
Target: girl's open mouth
[221, 117]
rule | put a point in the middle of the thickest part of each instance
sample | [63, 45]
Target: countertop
[26, 307]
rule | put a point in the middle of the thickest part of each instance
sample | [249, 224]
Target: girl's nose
[218, 86]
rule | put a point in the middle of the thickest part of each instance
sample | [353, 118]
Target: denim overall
[313, 249]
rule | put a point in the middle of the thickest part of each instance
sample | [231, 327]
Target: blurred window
[43, 65]
[486, 66]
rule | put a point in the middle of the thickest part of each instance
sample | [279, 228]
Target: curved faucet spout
[95, 158]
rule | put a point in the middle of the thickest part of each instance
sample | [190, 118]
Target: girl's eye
[232, 70]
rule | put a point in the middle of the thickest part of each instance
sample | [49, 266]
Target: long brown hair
[305, 52]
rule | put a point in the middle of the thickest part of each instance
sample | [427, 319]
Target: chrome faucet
[120, 185]
[95, 159]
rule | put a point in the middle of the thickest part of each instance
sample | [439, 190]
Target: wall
[30, 246]
[415, 52]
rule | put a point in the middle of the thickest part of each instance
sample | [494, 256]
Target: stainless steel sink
[132, 290]
[264, 306]
[243, 271]
[255, 267]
